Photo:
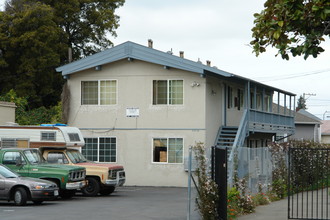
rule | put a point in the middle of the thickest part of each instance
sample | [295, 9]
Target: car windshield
[34, 156]
[76, 157]
[5, 172]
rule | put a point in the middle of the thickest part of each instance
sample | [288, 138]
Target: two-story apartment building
[144, 108]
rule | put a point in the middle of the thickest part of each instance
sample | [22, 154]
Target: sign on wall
[132, 112]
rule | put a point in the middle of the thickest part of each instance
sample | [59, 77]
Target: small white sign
[132, 112]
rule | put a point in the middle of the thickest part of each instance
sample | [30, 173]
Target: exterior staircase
[226, 137]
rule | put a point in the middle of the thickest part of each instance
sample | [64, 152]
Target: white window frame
[13, 141]
[168, 92]
[48, 133]
[98, 148]
[98, 92]
[152, 151]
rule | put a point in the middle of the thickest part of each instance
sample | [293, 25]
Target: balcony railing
[270, 122]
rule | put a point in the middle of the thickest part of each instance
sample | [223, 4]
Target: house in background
[144, 108]
[307, 126]
[7, 110]
[325, 132]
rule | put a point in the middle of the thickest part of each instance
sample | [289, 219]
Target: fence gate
[308, 183]
[219, 174]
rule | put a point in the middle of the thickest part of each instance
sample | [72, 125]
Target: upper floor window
[259, 102]
[101, 92]
[239, 100]
[167, 92]
[267, 103]
[229, 97]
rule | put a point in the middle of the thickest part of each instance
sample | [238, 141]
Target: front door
[11, 160]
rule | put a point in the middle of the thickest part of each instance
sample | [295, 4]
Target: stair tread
[230, 127]
[231, 135]
[227, 136]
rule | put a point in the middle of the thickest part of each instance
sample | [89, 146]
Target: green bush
[208, 198]
[233, 209]
[26, 116]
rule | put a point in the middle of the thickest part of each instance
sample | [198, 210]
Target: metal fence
[308, 192]
[255, 165]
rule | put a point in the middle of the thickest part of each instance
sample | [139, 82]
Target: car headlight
[40, 186]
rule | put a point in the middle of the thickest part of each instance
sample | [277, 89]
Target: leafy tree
[294, 27]
[86, 24]
[35, 36]
[30, 52]
[301, 104]
[26, 116]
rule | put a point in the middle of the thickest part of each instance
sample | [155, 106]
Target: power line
[291, 76]
[318, 105]
[320, 100]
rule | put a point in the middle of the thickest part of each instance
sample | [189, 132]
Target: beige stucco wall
[214, 97]
[134, 152]
[134, 135]
[134, 82]
[7, 112]
[233, 114]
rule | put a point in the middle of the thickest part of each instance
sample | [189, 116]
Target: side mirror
[19, 161]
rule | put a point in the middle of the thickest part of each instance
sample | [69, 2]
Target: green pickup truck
[29, 162]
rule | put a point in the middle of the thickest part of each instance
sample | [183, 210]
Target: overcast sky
[220, 31]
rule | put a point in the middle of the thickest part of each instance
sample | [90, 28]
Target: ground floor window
[100, 149]
[168, 150]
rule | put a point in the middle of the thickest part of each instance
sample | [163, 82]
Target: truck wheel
[92, 188]
[20, 196]
[67, 194]
[107, 191]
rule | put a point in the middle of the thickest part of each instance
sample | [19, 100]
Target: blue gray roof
[305, 117]
[136, 51]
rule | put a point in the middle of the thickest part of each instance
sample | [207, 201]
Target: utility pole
[309, 95]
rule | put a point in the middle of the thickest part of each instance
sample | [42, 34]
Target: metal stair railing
[242, 133]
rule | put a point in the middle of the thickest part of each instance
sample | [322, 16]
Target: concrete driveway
[138, 203]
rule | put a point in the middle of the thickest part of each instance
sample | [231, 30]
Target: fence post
[189, 183]
[212, 162]
[289, 180]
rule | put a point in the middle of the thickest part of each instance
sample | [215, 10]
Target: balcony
[269, 122]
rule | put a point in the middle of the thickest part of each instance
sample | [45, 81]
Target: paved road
[138, 203]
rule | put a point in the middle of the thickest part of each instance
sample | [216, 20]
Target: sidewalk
[274, 211]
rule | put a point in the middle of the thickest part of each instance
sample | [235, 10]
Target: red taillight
[62, 179]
